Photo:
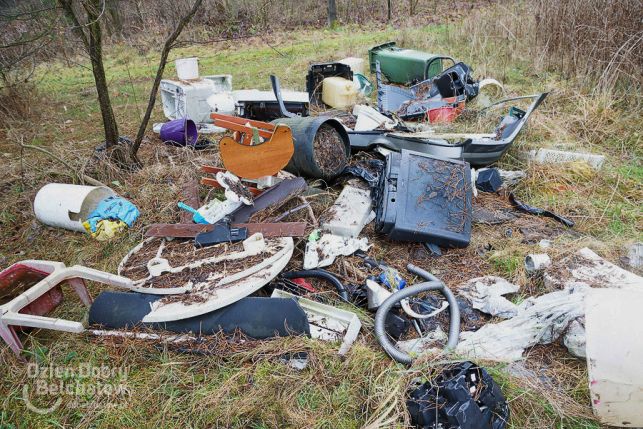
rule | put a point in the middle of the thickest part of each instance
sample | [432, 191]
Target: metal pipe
[432, 284]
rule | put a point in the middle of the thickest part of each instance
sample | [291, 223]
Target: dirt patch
[330, 152]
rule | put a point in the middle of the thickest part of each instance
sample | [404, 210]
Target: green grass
[252, 388]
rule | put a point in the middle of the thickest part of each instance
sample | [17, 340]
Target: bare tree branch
[169, 43]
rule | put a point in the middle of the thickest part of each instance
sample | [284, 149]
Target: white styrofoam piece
[350, 213]
[323, 252]
[326, 322]
[552, 156]
[216, 296]
[67, 206]
[614, 355]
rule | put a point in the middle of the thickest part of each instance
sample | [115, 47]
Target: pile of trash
[227, 266]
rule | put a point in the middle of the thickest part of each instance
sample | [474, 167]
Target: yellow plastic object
[106, 229]
[338, 92]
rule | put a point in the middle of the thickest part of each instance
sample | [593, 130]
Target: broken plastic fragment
[323, 252]
[350, 213]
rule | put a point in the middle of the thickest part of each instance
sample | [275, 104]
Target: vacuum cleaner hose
[433, 283]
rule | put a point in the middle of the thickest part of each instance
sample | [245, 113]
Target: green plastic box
[405, 65]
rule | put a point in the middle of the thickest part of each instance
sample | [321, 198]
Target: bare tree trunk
[169, 43]
[96, 56]
[332, 13]
[388, 10]
[90, 35]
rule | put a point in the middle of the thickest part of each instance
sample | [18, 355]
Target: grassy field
[246, 385]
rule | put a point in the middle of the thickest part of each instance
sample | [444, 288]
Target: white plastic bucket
[67, 206]
[187, 68]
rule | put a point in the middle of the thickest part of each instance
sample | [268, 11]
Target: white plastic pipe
[67, 206]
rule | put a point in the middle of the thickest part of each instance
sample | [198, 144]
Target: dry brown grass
[599, 39]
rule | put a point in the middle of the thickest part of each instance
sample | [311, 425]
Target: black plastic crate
[424, 198]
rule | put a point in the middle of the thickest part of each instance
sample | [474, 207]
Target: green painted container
[405, 65]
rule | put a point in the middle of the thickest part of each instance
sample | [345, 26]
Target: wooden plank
[190, 194]
[213, 182]
[190, 230]
[265, 159]
[242, 121]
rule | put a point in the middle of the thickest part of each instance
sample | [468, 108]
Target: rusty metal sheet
[190, 230]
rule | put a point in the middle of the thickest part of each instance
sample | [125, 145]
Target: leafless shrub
[600, 39]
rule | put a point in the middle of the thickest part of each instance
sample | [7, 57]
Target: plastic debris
[463, 396]
[198, 282]
[551, 156]
[106, 229]
[350, 213]
[369, 119]
[323, 252]
[235, 191]
[586, 267]
[369, 170]
[196, 216]
[489, 180]
[391, 278]
[539, 212]
[486, 294]
[416, 188]
[574, 339]
[545, 319]
[326, 322]
[540, 320]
